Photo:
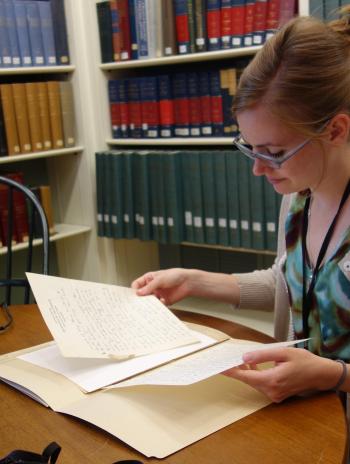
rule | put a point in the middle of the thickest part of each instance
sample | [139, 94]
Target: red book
[287, 11]
[166, 107]
[249, 23]
[226, 24]
[124, 21]
[259, 27]
[182, 26]
[134, 107]
[238, 21]
[205, 104]
[116, 29]
[20, 209]
[272, 17]
[181, 105]
[213, 24]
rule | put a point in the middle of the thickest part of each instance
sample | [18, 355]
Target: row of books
[326, 10]
[21, 210]
[207, 197]
[139, 29]
[36, 116]
[182, 104]
[33, 33]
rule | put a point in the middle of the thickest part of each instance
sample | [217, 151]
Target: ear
[338, 129]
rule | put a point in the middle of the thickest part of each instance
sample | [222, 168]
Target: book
[133, 30]
[36, 136]
[44, 114]
[47, 33]
[134, 107]
[207, 160]
[104, 19]
[244, 167]
[141, 29]
[166, 106]
[116, 29]
[271, 216]
[217, 117]
[226, 24]
[221, 197]
[200, 25]
[128, 195]
[173, 197]
[125, 46]
[142, 195]
[181, 105]
[169, 30]
[272, 17]
[214, 24]
[159, 26]
[232, 181]
[238, 22]
[116, 193]
[21, 112]
[12, 32]
[195, 118]
[257, 207]
[60, 32]
[259, 23]
[194, 174]
[46, 203]
[114, 108]
[249, 22]
[55, 112]
[22, 32]
[149, 107]
[20, 216]
[100, 185]
[68, 113]
[182, 26]
[35, 36]
[187, 197]
[205, 104]
[10, 123]
[107, 211]
[5, 46]
[3, 141]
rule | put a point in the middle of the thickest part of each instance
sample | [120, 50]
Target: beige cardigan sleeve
[266, 289]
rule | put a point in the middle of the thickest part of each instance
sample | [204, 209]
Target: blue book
[141, 29]
[12, 32]
[217, 116]
[194, 104]
[122, 97]
[214, 24]
[5, 48]
[47, 33]
[114, 101]
[60, 32]
[34, 27]
[134, 106]
[133, 30]
[149, 106]
[204, 96]
[181, 105]
[166, 106]
[22, 33]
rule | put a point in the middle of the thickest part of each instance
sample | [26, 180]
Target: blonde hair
[302, 73]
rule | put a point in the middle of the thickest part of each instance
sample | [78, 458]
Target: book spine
[259, 26]
[133, 30]
[331, 9]
[34, 27]
[232, 89]
[166, 107]
[194, 104]
[116, 30]
[20, 209]
[116, 193]
[145, 214]
[226, 24]
[44, 114]
[125, 52]
[244, 202]
[122, 95]
[149, 107]
[152, 27]
[100, 185]
[288, 10]
[141, 29]
[216, 104]
[221, 197]
[181, 105]
[154, 194]
[173, 197]
[200, 22]
[162, 213]
[238, 22]
[159, 27]
[191, 25]
[21, 111]
[107, 197]
[205, 104]
[12, 33]
[3, 141]
[128, 195]
[114, 106]
[232, 180]
[5, 47]
[272, 17]
[271, 216]
[23, 33]
[68, 113]
[169, 30]
[249, 22]
[257, 211]
[48, 38]
[55, 114]
[134, 106]
[209, 196]
[187, 197]
[60, 32]
[105, 31]
[31, 91]
[10, 119]
[214, 24]
[194, 174]
[182, 26]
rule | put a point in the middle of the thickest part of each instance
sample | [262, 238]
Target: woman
[293, 110]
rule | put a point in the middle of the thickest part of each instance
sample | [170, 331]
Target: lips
[274, 181]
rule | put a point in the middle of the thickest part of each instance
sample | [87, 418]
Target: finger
[271, 354]
[252, 377]
[138, 283]
[150, 286]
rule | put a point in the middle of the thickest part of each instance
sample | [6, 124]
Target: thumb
[270, 354]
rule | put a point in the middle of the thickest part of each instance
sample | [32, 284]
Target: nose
[259, 167]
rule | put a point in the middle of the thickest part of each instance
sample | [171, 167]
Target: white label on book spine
[200, 41]
[236, 41]
[154, 221]
[168, 51]
[183, 48]
[271, 227]
[257, 226]
[99, 218]
[52, 60]
[16, 60]
[142, 220]
[188, 218]
[257, 40]
[184, 131]
[124, 55]
[248, 41]
[244, 225]
[206, 130]
[59, 143]
[137, 217]
[27, 147]
[152, 133]
[170, 222]
[124, 127]
[144, 126]
[233, 224]
[161, 221]
[114, 219]
[70, 140]
[165, 133]
[47, 144]
[214, 40]
[106, 218]
[27, 60]
[197, 221]
[195, 131]
[126, 218]
[7, 60]
[222, 222]
[209, 222]
[39, 60]
[225, 39]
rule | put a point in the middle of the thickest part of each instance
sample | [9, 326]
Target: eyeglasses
[273, 160]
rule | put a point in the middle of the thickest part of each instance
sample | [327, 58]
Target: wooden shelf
[40, 154]
[174, 141]
[62, 231]
[36, 70]
[229, 248]
[178, 59]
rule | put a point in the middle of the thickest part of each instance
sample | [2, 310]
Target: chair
[37, 228]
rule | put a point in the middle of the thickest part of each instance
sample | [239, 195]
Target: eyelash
[277, 155]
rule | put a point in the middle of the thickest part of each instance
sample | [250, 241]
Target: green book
[221, 197]
[173, 197]
[128, 196]
[209, 201]
[194, 174]
[270, 206]
[162, 213]
[244, 167]
[116, 192]
[233, 198]
[105, 31]
[257, 211]
[187, 197]
[107, 204]
[99, 159]
[154, 194]
[141, 195]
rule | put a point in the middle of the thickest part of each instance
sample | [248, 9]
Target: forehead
[260, 127]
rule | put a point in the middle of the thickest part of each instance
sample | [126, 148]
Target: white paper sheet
[95, 320]
[93, 374]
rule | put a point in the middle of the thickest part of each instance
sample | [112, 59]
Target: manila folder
[155, 420]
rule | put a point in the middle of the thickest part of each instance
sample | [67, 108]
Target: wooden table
[299, 430]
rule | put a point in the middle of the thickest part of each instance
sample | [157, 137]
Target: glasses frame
[275, 163]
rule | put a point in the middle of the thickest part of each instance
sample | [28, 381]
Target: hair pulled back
[302, 73]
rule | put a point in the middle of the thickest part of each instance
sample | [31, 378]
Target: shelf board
[229, 248]
[173, 141]
[36, 70]
[40, 154]
[62, 231]
[178, 59]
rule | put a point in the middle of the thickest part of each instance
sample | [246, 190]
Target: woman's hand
[295, 371]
